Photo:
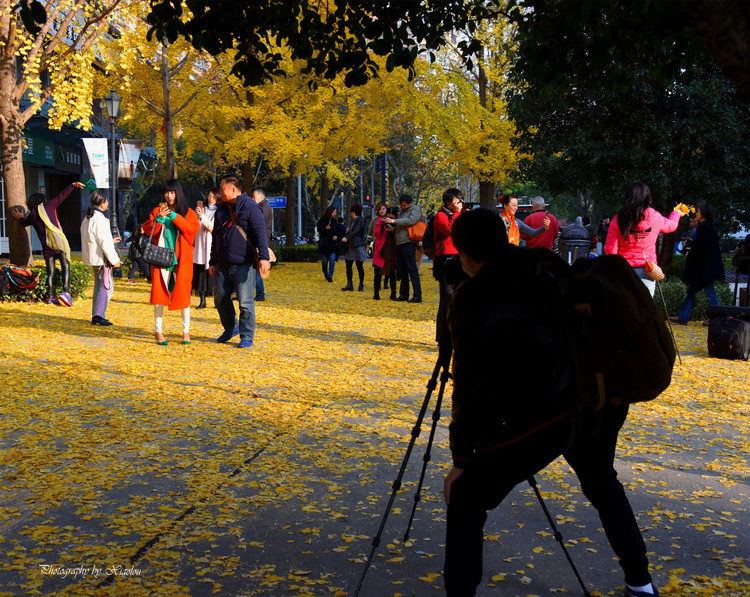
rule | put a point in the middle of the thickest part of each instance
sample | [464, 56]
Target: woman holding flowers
[635, 230]
[174, 225]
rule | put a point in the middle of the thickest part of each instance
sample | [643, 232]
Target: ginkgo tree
[465, 108]
[297, 123]
[166, 87]
[53, 65]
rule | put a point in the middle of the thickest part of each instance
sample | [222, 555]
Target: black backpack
[621, 346]
[428, 240]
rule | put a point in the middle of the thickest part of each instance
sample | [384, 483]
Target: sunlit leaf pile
[128, 468]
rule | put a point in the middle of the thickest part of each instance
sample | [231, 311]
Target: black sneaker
[414, 300]
[98, 320]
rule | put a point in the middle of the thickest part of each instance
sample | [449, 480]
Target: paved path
[207, 470]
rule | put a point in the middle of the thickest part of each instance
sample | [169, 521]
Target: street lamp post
[112, 102]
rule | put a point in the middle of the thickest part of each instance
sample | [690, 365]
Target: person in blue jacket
[239, 247]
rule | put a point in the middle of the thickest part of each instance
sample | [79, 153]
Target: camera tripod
[669, 321]
[442, 371]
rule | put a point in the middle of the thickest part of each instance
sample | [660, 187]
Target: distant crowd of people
[213, 255]
[394, 252]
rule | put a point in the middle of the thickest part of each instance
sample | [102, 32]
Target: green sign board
[90, 185]
[38, 150]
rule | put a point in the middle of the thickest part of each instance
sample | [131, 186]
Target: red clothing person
[536, 219]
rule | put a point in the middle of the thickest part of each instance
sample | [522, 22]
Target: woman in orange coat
[174, 225]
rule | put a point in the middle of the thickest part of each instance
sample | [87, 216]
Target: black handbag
[161, 257]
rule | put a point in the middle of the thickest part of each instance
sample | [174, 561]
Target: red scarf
[511, 228]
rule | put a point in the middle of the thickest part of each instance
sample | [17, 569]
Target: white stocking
[186, 320]
[158, 318]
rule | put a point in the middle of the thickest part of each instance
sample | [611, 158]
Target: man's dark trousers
[488, 479]
[406, 257]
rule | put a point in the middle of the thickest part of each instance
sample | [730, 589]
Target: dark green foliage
[674, 294]
[330, 38]
[307, 253]
[80, 277]
[611, 92]
[677, 267]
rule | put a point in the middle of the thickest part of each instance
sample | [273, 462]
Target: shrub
[674, 293]
[80, 277]
[677, 267]
[307, 253]
[126, 263]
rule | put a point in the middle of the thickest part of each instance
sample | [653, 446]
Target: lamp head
[112, 102]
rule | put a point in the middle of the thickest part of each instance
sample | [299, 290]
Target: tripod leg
[428, 450]
[397, 483]
[669, 323]
[558, 535]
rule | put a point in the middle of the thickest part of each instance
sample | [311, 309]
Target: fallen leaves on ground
[132, 469]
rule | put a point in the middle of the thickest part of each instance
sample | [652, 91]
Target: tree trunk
[11, 131]
[168, 127]
[248, 178]
[487, 195]
[291, 220]
[325, 191]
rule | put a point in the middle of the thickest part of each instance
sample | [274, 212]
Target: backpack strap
[244, 235]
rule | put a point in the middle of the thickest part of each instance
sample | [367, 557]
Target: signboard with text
[38, 150]
[68, 158]
[277, 202]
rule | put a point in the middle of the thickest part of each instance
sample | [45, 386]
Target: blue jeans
[240, 279]
[260, 289]
[329, 262]
[648, 282]
[143, 265]
[687, 305]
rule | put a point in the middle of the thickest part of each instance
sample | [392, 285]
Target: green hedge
[677, 267]
[307, 253]
[80, 277]
[674, 293]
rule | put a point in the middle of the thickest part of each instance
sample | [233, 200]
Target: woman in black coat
[327, 241]
[356, 250]
[703, 264]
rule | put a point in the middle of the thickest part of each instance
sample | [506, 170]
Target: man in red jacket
[535, 220]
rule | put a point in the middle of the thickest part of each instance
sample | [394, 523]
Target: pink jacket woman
[643, 239]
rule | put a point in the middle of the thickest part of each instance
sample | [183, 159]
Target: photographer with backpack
[498, 438]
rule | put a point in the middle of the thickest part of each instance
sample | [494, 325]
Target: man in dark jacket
[238, 248]
[259, 196]
[504, 328]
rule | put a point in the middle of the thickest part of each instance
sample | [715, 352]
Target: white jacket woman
[202, 251]
[98, 250]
